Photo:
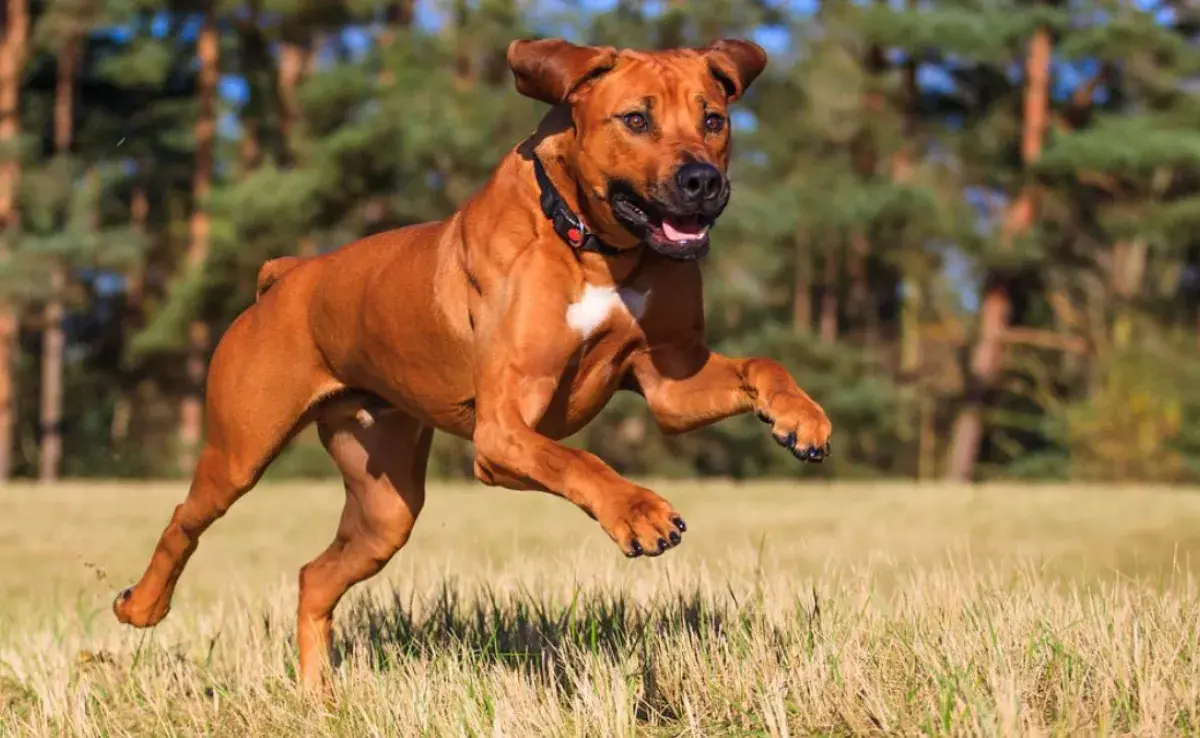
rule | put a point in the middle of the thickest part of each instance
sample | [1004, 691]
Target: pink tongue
[682, 230]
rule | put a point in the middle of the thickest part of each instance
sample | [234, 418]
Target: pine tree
[996, 305]
[880, 190]
[253, 60]
[71, 235]
[139, 94]
[397, 22]
[1125, 176]
[15, 25]
[62, 30]
[300, 43]
[53, 336]
[199, 331]
[131, 314]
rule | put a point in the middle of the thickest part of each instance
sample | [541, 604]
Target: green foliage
[991, 33]
[1125, 146]
[866, 217]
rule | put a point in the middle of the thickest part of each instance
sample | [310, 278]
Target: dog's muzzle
[677, 225]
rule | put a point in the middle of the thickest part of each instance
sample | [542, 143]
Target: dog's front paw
[799, 425]
[643, 524]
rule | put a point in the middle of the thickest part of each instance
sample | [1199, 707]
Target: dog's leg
[691, 387]
[510, 453]
[522, 359]
[383, 467]
[255, 403]
[214, 488]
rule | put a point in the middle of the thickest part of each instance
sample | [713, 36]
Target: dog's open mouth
[680, 237]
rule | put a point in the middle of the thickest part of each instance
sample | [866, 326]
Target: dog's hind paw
[129, 615]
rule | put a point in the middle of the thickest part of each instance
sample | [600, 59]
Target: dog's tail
[272, 271]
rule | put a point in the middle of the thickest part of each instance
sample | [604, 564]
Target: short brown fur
[460, 325]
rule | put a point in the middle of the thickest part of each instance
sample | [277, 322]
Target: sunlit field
[789, 609]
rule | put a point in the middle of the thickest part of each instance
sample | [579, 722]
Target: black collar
[569, 226]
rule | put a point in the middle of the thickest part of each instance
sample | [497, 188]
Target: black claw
[787, 441]
[674, 538]
[125, 594]
[662, 545]
[635, 549]
[678, 521]
[763, 416]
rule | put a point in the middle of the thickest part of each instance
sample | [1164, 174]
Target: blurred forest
[970, 228]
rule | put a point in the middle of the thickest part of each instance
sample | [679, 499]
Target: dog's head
[651, 141]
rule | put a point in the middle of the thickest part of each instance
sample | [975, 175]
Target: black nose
[699, 182]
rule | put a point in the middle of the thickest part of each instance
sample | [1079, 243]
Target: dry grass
[868, 609]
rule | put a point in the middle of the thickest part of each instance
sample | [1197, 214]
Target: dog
[573, 273]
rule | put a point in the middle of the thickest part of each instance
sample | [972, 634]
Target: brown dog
[570, 275]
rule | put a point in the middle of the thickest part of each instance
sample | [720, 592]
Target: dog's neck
[552, 144]
[598, 267]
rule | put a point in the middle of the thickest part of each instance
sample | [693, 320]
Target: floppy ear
[551, 69]
[735, 63]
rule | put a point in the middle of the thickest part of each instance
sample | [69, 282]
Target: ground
[789, 608]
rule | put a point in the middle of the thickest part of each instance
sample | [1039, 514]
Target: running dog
[573, 273]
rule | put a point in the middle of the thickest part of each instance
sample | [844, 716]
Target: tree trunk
[861, 308]
[53, 347]
[53, 338]
[295, 61]
[967, 435]
[291, 68]
[249, 148]
[916, 408]
[139, 211]
[1125, 282]
[253, 57]
[927, 437]
[802, 286]
[864, 153]
[829, 291]
[15, 27]
[910, 330]
[398, 16]
[966, 438]
[191, 415]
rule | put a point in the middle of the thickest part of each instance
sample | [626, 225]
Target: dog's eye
[714, 123]
[636, 122]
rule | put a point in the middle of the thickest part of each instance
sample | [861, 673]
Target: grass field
[789, 609]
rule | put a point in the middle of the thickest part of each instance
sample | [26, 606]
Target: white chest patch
[597, 303]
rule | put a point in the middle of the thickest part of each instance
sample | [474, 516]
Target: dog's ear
[551, 69]
[736, 64]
